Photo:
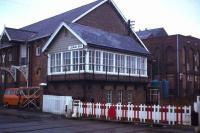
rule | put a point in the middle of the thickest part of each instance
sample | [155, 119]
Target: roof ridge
[150, 29]
[21, 30]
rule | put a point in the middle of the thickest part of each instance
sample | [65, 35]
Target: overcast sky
[176, 16]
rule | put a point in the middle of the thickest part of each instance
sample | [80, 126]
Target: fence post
[198, 109]
[138, 112]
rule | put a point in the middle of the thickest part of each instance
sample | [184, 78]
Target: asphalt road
[14, 124]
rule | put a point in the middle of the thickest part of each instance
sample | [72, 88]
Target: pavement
[14, 120]
[28, 114]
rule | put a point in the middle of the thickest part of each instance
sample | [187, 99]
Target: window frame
[120, 96]
[75, 60]
[67, 61]
[82, 60]
[10, 57]
[38, 51]
[130, 96]
[109, 96]
[98, 60]
[91, 60]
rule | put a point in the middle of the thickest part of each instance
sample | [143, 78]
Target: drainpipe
[177, 59]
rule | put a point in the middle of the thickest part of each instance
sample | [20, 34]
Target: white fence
[56, 104]
[197, 110]
[180, 115]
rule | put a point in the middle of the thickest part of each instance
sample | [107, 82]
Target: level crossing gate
[155, 114]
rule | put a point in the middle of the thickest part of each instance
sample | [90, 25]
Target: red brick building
[175, 58]
[90, 53]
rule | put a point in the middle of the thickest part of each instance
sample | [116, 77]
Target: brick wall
[97, 90]
[105, 17]
[164, 62]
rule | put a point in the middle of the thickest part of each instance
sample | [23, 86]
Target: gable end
[62, 25]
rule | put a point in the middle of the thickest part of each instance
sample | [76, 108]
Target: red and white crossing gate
[172, 115]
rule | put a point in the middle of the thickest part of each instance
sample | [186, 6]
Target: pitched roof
[19, 34]
[4, 45]
[97, 37]
[94, 36]
[48, 26]
[152, 33]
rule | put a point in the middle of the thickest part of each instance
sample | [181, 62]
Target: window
[105, 61]
[98, 60]
[58, 62]
[2, 78]
[67, 61]
[3, 58]
[120, 96]
[23, 54]
[120, 63]
[91, 60]
[52, 63]
[117, 62]
[131, 65]
[109, 96]
[55, 64]
[75, 60]
[23, 61]
[196, 61]
[134, 65]
[142, 66]
[138, 66]
[38, 51]
[110, 62]
[129, 96]
[128, 64]
[82, 60]
[10, 57]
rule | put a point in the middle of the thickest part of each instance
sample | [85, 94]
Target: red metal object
[103, 109]
[177, 111]
[112, 112]
[149, 111]
[163, 111]
[136, 110]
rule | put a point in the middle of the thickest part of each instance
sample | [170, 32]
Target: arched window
[196, 61]
[156, 61]
[183, 51]
[170, 55]
[190, 64]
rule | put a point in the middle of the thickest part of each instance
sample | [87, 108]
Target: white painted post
[186, 115]
[118, 111]
[81, 109]
[107, 108]
[198, 109]
[97, 111]
[130, 112]
[140, 112]
[154, 114]
[158, 114]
